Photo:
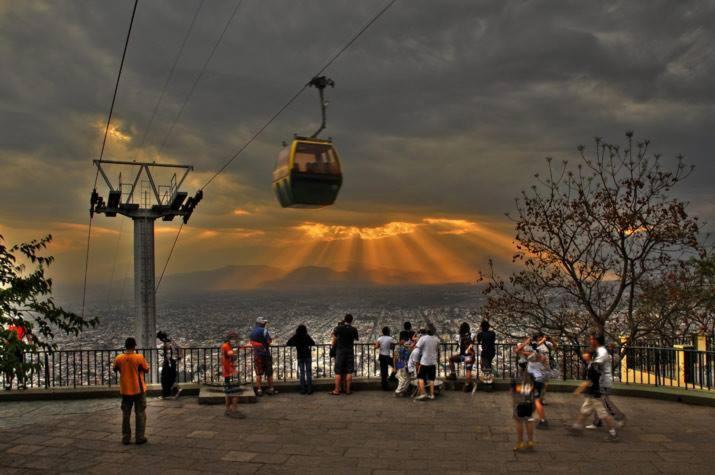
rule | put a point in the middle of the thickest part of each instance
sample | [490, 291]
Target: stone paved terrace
[367, 432]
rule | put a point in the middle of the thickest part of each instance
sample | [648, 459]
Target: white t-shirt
[428, 346]
[603, 361]
[386, 343]
[537, 368]
[414, 359]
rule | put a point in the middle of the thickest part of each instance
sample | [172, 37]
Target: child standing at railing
[231, 381]
[302, 343]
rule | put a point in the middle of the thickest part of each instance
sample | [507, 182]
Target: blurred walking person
[302, 343]
[537, 367]
[593, 402]
[131, 367]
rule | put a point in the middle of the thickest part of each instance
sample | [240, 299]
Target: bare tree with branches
[589, 237]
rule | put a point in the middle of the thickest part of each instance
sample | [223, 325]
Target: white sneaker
[431, 396]
[591, 427]
[421, 397]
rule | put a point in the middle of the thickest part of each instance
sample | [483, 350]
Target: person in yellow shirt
[131, 367]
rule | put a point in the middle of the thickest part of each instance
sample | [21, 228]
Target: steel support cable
[198, 77]
[154, 112]
[168, 258]
[171, 73]
[101, 152]
[335, 56]
[290, 101]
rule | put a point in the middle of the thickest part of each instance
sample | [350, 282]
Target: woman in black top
[302, 342]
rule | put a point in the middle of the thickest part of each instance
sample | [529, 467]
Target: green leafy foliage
[26, 301]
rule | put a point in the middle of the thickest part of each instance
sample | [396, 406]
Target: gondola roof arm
[320, 83]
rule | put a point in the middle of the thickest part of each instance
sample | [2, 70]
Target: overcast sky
[442, 112]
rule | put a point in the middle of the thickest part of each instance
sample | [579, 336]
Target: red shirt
[18, 329]
[228, 360]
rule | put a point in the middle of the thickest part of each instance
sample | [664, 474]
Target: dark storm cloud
[442, 107]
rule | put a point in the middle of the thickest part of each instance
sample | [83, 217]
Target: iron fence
[683, 368]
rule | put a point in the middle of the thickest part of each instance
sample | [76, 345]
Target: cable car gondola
[307, 172]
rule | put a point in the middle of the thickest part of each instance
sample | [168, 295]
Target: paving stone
[367, 433]
[236, 456]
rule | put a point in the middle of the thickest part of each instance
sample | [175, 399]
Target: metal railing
[683, 368]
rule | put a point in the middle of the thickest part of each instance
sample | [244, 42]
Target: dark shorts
[428, 373]
[263, 363]
[538, 389]
[344, 362]
[232, 385]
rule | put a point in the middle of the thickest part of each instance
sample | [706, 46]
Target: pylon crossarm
[153, 185]
[104, 175]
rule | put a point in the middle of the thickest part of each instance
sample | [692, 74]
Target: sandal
[333, 393]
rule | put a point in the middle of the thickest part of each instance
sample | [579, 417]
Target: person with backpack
[537, 367]
[302, 343]
[260, 341]
[522, 394]
[384, 345]
[131, 367]
[466, 355]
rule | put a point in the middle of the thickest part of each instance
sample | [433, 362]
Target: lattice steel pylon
[159, 201]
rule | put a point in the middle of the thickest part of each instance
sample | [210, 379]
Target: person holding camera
[537, 364]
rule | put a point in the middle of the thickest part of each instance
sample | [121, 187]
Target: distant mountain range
[251, 277]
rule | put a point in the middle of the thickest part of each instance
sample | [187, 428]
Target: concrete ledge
[213, 394]
[84, 392]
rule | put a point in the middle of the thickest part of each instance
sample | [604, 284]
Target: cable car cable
[198, 77]
[166, 264]
[171, 72]
[303, 88]
[335, 56]
[151, 122]
[101, 155]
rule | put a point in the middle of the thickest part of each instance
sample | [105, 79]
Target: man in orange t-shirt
[231, 381]
[131, 367]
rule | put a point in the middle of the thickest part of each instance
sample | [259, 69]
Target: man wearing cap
[262, 359]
